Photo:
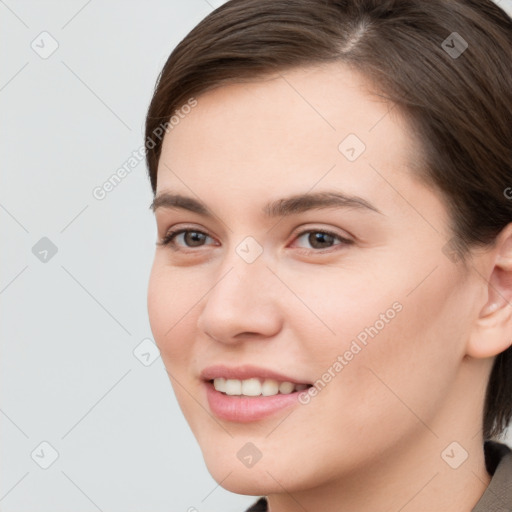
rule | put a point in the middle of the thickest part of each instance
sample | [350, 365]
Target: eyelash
[168, 239]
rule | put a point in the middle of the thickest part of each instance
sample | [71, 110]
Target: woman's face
[374, 312]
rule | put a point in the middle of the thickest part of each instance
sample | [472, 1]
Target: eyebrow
[279, 208]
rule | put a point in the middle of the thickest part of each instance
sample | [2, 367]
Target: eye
[189, 237]
[322, 239]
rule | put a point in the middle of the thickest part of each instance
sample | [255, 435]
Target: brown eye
[194, 238]
[185, 238]
[320, 239]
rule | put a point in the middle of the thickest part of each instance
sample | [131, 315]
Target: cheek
[393, 355]
[170, 302]
[340, 314]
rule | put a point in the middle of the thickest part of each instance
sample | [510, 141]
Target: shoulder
[498, 495]
[258, 506]
[494, 453]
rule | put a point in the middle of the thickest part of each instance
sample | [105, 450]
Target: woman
[331, 285]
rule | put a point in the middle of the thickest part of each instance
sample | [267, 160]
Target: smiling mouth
[255, 387]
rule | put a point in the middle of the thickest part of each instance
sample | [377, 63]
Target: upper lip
[246, 372]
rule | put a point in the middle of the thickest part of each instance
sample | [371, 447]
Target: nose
[242, 303]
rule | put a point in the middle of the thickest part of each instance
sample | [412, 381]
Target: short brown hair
[457, 99]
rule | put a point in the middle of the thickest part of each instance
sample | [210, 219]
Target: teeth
[220, 384]
[269, 387]
[286, 388]
[233, 387]
[255, 387]
[251, 387]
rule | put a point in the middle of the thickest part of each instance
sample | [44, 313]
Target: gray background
[79, 369]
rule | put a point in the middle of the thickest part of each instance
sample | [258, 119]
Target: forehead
[290, 128]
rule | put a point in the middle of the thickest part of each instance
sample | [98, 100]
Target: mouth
[256, 387]
[248, 393]
[253, 399]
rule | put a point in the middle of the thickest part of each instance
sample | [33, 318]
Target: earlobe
[493, 330]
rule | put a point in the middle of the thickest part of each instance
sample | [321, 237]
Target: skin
[384, 420]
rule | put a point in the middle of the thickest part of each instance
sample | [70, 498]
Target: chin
[248, 481]
[268, 475]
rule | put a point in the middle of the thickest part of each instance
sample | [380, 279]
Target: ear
[493, 329]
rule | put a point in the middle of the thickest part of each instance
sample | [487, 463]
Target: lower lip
[243, 409]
